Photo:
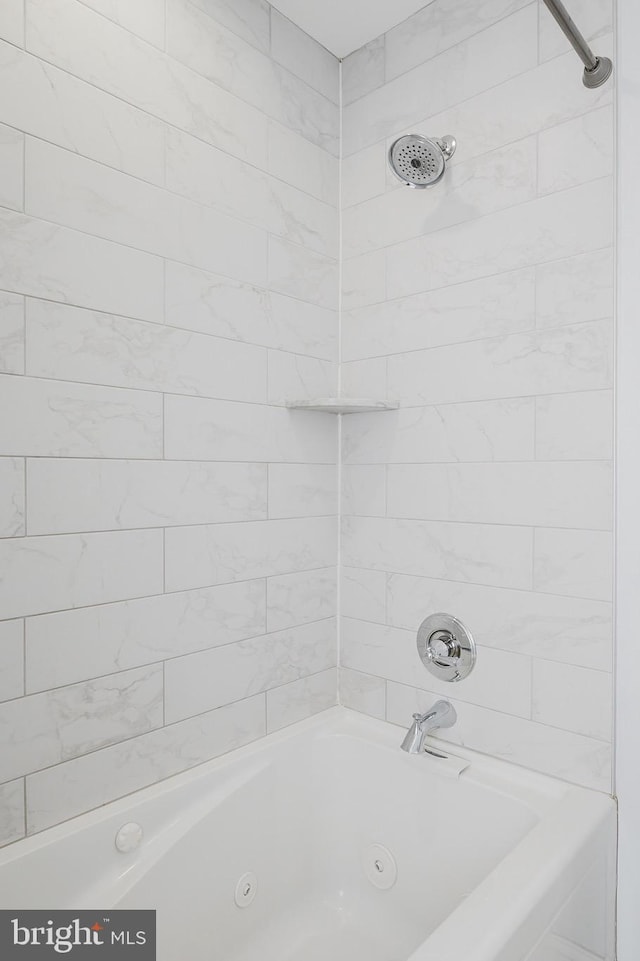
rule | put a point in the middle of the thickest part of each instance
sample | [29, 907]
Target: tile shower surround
[169, 240]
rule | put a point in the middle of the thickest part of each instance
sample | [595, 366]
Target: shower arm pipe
[596, 69]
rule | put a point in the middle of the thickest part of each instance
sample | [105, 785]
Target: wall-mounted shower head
[419, 161]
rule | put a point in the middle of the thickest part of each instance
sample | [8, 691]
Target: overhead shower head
[419, 161]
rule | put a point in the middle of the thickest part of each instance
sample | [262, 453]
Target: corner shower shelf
[344, 405]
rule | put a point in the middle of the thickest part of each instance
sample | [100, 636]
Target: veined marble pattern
[178, 255]
[44, 729]
[87, 782]
[219, 554]
[215, 305]
[12, 817]
[11, 333]
[12, 21]
[294, 599]
[78, 420]
[146, 18]
[69, 495]
[168, 251]
[300, 699]
[201, 682]
[47, 102]
[66, 343]
[484, 307]
[11, 168]
[11, 660]
[12, 497]
[72, 646]
[39, 574]
[202, 44]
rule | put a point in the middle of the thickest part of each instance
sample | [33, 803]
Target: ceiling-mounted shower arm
[597, 70]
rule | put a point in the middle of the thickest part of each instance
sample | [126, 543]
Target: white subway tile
[45, 260]
[49, 103]
[216, 305]
[577, 289]
[302, 273]
[364, 280]
[440, 26]
[11, 333]
[500, 680]
[11, 168]
[363, 70]
[75, 420]
[482, 431]
[72, 646]
[495, 117]
[575, 426]
[304, 56]
[550, 361]
[40, 574]
[576, 563]
[211, 177]
[69, 495]
[562, 754]
[248, 19]
[539, 494]
[76, 39]
[48, 728]
[573, 698]
[562, 629]
[11, 660]
[470, 190]
[364, 490]
[502, 304]
[61, 187]
[453, 76]
[492, 555]
[68, 343]
[201, 429]
[363, 175]
[549, 228]
[12, 815]
[294, 599]
[363, 594]
[88, 782]
[300, 699]
[363, 692]
[12, 21]
[302, 490]
[296, 377]
[12, 497]
[364, 378]
[576, 151]
[216, 554]
[145, 18]
[201, 682]
[302, 164]
[596, 20]
[207, 48]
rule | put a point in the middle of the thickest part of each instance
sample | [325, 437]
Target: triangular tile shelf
[343, 405]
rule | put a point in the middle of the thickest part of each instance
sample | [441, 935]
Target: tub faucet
[442, 714]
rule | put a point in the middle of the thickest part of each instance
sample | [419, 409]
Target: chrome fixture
[597, 70]
[446, 647]
[420, 162]
[442, 714]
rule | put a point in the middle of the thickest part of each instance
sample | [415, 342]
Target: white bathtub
[486, 858]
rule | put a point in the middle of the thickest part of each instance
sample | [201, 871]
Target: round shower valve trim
[446, 647]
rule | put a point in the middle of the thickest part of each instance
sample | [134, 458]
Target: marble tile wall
[485, 308]
[168, 279]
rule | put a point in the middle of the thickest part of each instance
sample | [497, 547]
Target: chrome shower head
[419, 161]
